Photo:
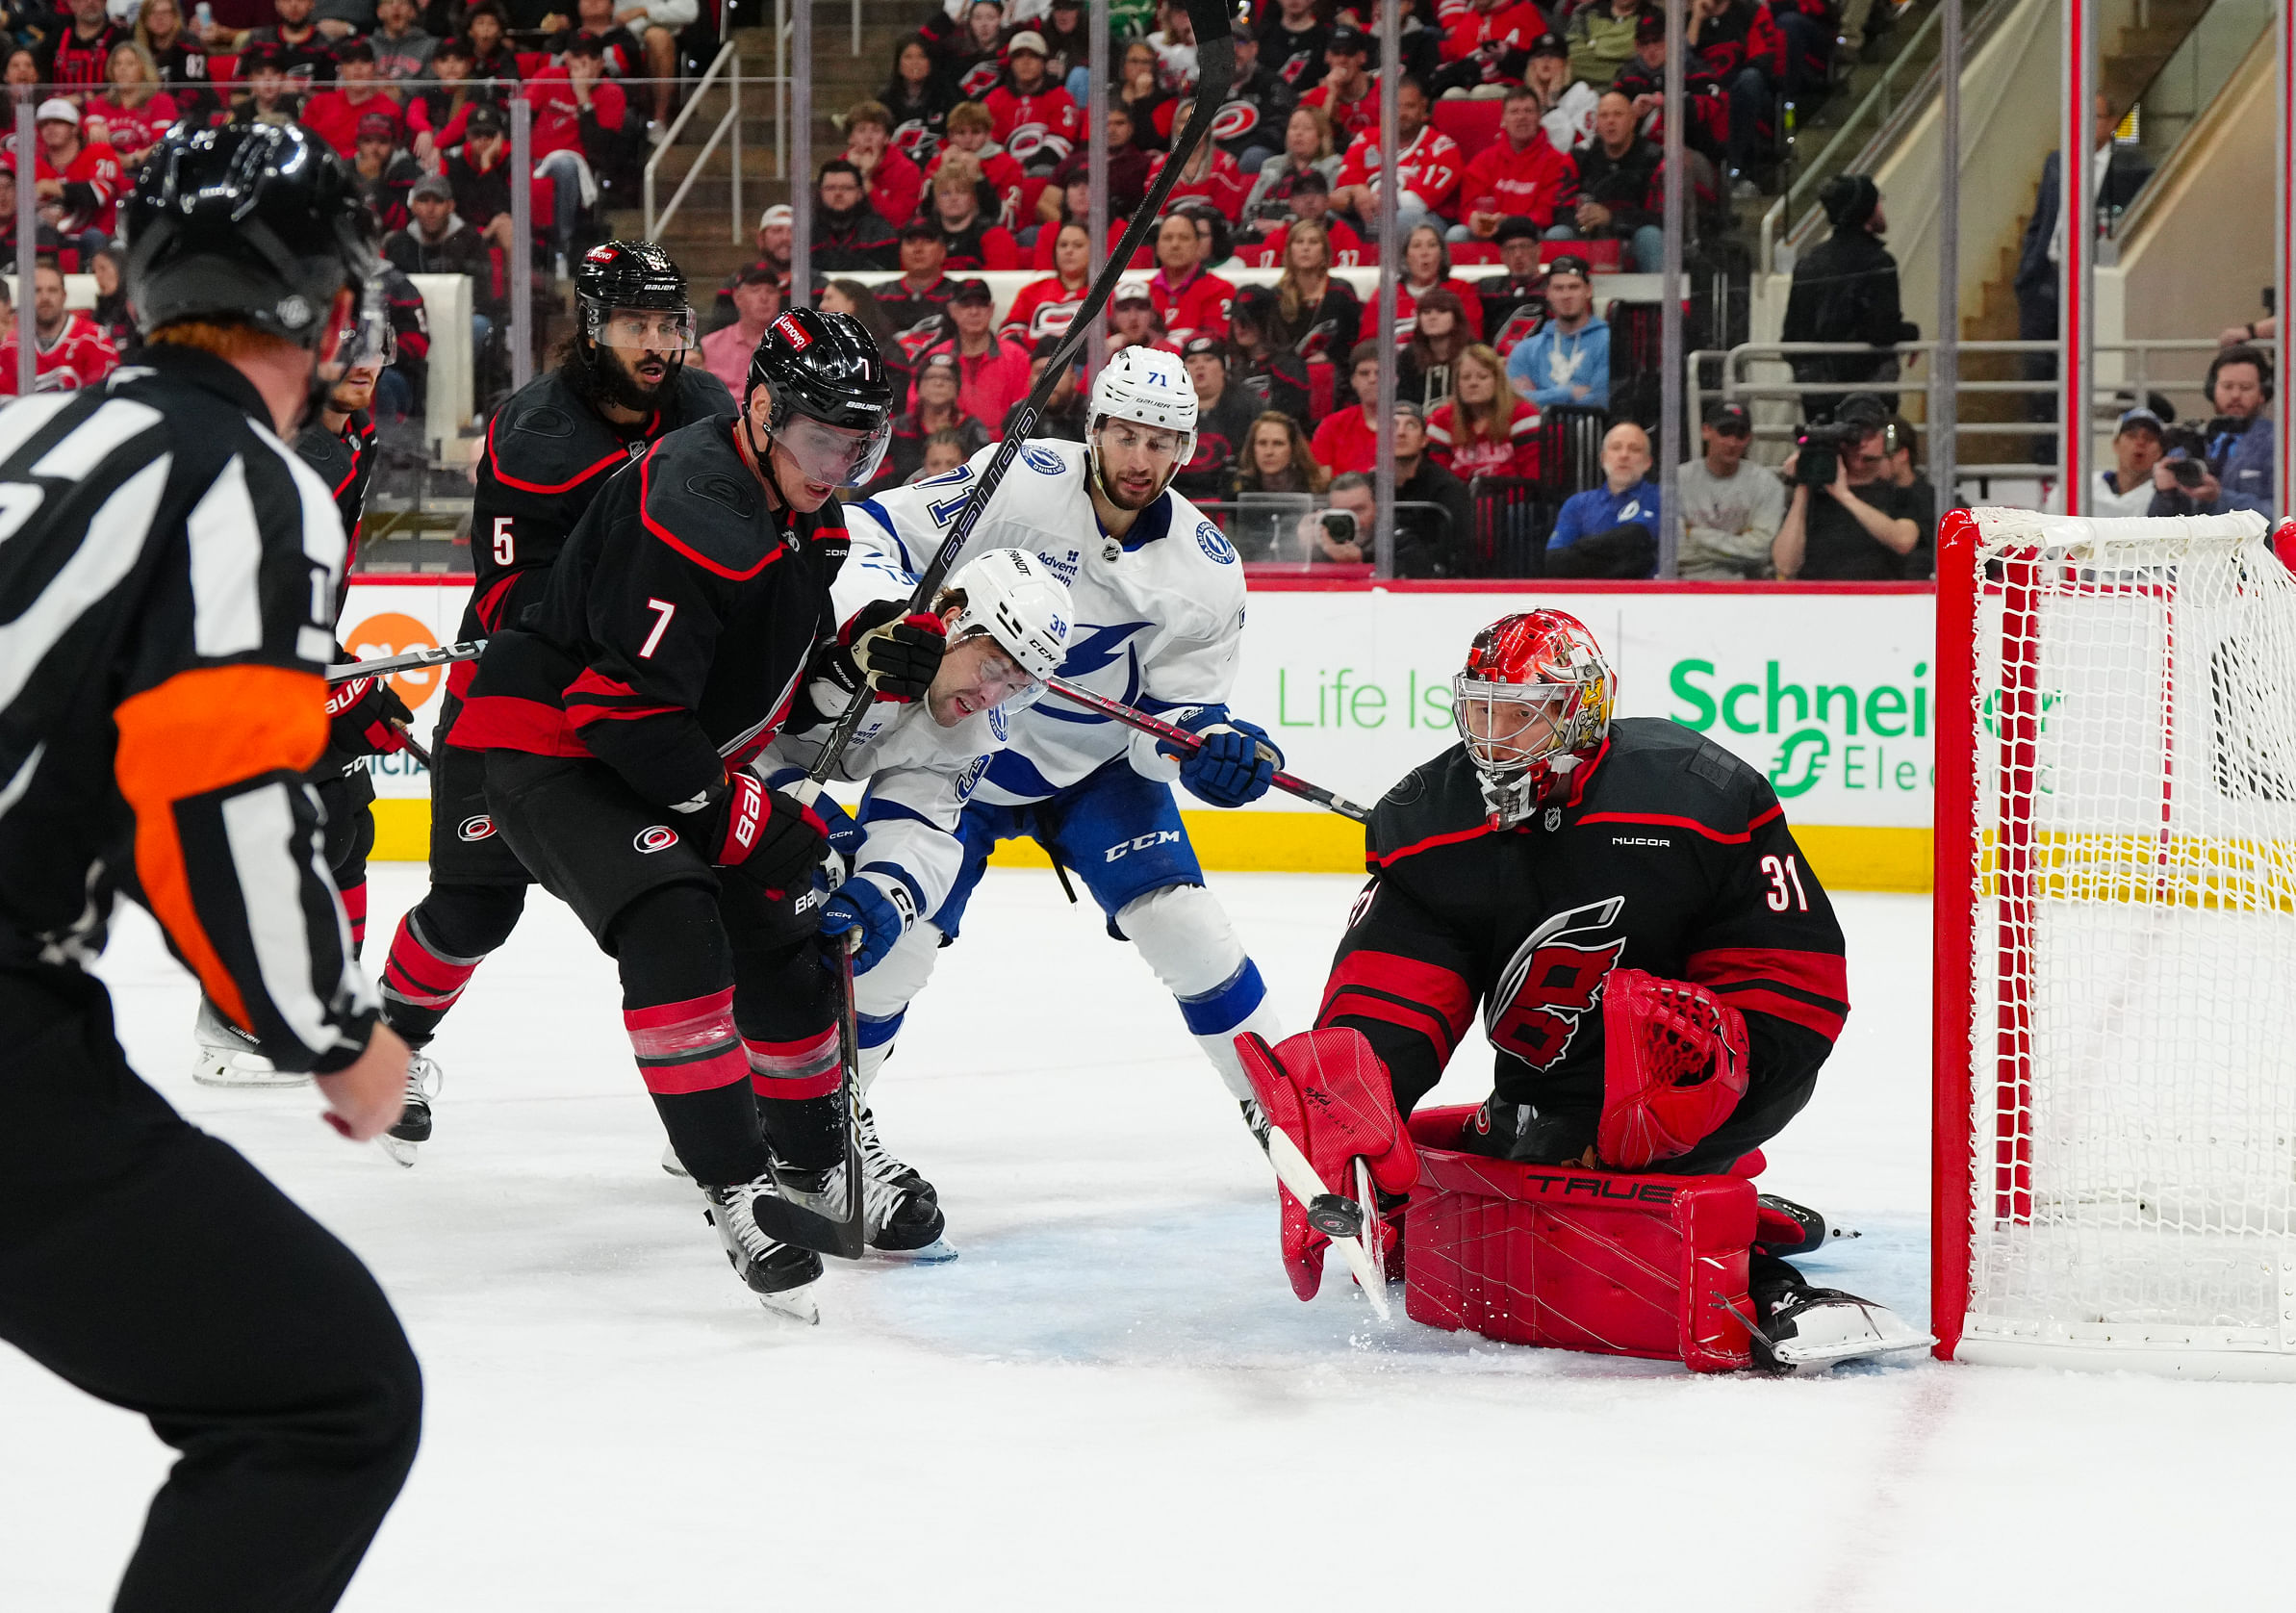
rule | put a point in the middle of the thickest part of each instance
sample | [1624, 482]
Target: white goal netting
[2133, 940]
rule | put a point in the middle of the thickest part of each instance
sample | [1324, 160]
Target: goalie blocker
[1660, 978]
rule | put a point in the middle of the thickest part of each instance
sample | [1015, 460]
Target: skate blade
[400, 1151]
[940, 1252]
[227, 1071]
[673, 1166]
[794, 1304]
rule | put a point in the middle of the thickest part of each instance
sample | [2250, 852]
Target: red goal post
[2114, 1146]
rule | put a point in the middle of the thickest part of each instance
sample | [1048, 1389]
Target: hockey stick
[435, 656]
[853, 1234]
[1132, 717]
[1215, 62]
[1326, 1212]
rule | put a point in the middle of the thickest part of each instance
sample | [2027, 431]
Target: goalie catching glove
[1329, 1092]
[894, 652]
[1235, 763]
[773, 840]
[1673, 1067]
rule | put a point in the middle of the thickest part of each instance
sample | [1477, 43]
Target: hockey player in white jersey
[1160, 601]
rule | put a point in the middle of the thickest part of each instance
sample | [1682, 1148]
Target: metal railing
[726, 64]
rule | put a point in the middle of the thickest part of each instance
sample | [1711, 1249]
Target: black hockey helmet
[825, 368]
[635, 275]
[249, 224]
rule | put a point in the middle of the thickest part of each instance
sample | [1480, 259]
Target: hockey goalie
[1659, 974]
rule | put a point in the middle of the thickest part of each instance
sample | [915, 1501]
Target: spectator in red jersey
[994, 371]
[848, 235]
[1188, 299]
[579, 138]
[80, 53]
[436, 112]
[402, 50]
[1483, 429]
[1520, 175]
[1315, 314]
[1045, 307]
[895, 185]
[78, 182]
[68, 350]
[1348, 96]
[1134, 320]
[1212, 178]
[1427, 265]
[335, 114]
[1034, 117]
[1488, 42]
[725, 352]
[133, 111]
[1312, 204]
[1307, 149]
[179, 60]
[969, 128]
[1427, 183]
[382, 174]
[917, 304]
[974, 240]
[933, 407]
[305, 54]
[594, 20]
[1349, 440]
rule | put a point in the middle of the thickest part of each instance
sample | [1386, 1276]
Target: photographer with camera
[2230, 465]
[1847, 521]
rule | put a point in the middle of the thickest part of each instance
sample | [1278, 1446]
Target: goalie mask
[1145, 388]
[1534, 703]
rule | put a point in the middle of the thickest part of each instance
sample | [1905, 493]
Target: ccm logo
[659, 837]
[1638, 840]
[478, 827]
[1142, 842]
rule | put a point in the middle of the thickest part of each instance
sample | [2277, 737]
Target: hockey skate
[423, 1080]
[228, 1055]
[780, 1274]
[1824, 1327]
[900, 1211]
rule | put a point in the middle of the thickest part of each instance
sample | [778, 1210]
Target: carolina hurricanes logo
[914, 140]
[478, 827]
[981, 79]
[1051, 319]
[1236, 119]
[657, 839]
[1553, 981]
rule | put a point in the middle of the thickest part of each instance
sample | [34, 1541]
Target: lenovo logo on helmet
[789, 330]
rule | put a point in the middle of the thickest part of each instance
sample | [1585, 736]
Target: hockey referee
[167, 569]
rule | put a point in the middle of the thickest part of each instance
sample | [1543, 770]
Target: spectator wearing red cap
[382, 172]
[895, 184]
[1034, 117]
[1520, 175]
[80, 53]
[1427, 173]
[335, 114]
[994, 371]
[1188, 299]
[1045, 307]
[133, 112]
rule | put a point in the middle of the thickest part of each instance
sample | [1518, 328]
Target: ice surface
[1112, 1401]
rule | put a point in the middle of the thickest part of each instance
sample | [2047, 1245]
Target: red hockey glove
[894, 652]
[773, 840]
[1328, 1092]
[360, 714]
[1673, 1067]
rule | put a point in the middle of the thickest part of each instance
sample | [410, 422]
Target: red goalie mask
[1533, 701]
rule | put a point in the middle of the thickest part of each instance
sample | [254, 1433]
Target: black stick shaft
[406, 662]
[1215, 64]
[1132, 717]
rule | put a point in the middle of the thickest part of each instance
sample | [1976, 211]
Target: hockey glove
[884, 910]
[894, 652]
[1234, 764]
[1673, 1067]
[845, 834]
[360, 714]
[774, 841]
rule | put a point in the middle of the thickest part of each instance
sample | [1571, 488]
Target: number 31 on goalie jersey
[1785, 893]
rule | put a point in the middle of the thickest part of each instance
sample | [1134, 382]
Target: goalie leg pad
[1673, 1067]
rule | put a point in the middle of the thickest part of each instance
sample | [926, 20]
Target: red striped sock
[794, 1069]
[688, 1046]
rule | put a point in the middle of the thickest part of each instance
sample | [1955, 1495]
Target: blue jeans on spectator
[1750, 107]
[1645, 248]
[1080, 88]
[563, 169]
[1804, 39]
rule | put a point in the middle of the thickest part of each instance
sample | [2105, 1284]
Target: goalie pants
[730, 1013]
[1121, 834]
[151, 1266]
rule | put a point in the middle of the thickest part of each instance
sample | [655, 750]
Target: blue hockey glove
[1234, 764]
[845, 834]
[882, 908]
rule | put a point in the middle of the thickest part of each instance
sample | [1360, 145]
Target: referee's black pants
[150, 1264]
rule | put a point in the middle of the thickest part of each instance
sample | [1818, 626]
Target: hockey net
[2116, 945]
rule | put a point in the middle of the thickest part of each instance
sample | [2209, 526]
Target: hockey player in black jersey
[365, 715]
[615, 722]
[621, 384]
[167, 580]
[1556, 851]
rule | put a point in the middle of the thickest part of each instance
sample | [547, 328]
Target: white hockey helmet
[1150, 387]
[1013, 598]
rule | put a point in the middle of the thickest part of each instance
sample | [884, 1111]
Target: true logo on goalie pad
[1553, 981]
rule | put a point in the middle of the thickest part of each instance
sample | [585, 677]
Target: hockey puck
[1335, 1216]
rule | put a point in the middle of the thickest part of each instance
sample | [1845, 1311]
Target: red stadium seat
[1324, 381]
[1473, 124]
[1603, 256]
[222, 69]
[1469, 253]
[532, 61]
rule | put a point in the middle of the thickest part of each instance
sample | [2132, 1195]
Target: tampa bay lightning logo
[1214, 542]
[1043, 461]
[1096, 650]
[999, 724]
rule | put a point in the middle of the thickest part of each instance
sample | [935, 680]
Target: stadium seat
[1473, 124]
[1603, 256]
[531, 62]
[222, 69]
[1323, 383]
[1467, 254]
[1513, 518]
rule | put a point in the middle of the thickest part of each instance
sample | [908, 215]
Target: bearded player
[620, 385]
[1558, 851]
[1160, 601]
